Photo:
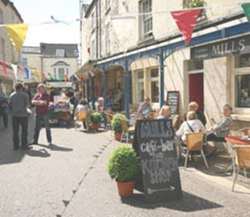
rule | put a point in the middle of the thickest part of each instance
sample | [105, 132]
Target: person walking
[19, 103]
[41, 102]
[3, 109]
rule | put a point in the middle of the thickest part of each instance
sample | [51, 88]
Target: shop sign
[173, 98]
[154, 141]
[234, 46]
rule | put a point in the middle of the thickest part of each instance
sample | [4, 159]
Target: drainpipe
[162, 97]
[126, 88]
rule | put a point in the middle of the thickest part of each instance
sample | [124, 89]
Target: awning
[6, 71]
[144, 63]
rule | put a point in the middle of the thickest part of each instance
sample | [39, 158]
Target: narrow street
[70, 180]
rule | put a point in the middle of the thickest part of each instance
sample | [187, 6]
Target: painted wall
[123, 19]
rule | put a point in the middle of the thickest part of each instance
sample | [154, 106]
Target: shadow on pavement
[54, 147]
[43, 153]
[189, 203]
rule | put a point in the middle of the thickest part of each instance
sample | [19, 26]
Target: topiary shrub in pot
[123, 166]
[119, 124]
[95, 119]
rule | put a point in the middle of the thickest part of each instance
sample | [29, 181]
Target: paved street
[70, 180]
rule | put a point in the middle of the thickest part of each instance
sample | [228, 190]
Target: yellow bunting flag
[17, 34]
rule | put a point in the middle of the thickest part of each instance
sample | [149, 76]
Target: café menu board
[173, 98]
[157, 151]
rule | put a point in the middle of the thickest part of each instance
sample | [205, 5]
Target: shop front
[219, 73]
[145, 81]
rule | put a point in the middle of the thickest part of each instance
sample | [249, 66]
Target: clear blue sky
[37, 11]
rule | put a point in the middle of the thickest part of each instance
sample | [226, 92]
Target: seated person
[193, 106]
[220, 130]
[144, 109]
[165, 112]
[191, 125]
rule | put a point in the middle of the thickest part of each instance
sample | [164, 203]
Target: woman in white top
[192, 125]
[165, 112]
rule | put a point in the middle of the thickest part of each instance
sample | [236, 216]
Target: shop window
[155, 85]
[146, 19]
[140, 86]
[243, 91]
[243, 61]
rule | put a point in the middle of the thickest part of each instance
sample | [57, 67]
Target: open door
[196, 89]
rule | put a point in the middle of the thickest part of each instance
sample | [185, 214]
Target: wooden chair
[194, 143]
[242, 161]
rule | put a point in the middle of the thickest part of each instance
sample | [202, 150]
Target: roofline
[90, 8]
[177, 35]
[7, 2]
[56, 44]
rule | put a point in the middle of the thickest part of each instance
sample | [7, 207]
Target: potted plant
[119, 124]
[95, 119]
[123, 166]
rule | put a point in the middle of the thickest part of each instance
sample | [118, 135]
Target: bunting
[17, 34]
[246, 9]
[186, 21]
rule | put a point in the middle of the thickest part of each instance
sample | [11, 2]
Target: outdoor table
[235, 140]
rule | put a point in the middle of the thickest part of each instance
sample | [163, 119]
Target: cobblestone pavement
[70, 180]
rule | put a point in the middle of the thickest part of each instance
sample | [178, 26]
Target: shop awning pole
[161, 78]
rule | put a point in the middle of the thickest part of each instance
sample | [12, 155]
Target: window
[107, 39]
[243, 91]
[1, 17]
[61, 73]
[25, 61]
[140, 86]
[146, 19]
[155, 85]
[60, 52]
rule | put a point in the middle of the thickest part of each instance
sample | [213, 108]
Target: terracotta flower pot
[118, 136]
[125, 189]
[95, 126]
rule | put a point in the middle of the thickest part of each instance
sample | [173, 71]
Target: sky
[35, 12]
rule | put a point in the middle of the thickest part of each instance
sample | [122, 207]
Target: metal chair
[242, 161]
[194, 142]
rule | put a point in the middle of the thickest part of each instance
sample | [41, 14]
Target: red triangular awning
[186, 21]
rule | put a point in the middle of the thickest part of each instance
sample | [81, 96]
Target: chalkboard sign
[160, 173]
[173, 98]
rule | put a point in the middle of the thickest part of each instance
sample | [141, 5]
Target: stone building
[136, 46]
[54, 62]
[8, 54]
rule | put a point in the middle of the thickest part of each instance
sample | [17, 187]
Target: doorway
[196, 89]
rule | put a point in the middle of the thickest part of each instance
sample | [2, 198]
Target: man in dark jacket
[19, 103]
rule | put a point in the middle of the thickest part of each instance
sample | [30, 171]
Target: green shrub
[119, 123]
[123, 165]
[96, 117]
[196, 3]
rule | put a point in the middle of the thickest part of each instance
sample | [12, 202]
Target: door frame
[200, 71]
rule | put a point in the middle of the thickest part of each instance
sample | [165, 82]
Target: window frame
[154, 79]
[145, 18]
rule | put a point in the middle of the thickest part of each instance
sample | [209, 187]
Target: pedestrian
[144, 109]
[3, 109]
[41, 102]
[19, 103]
